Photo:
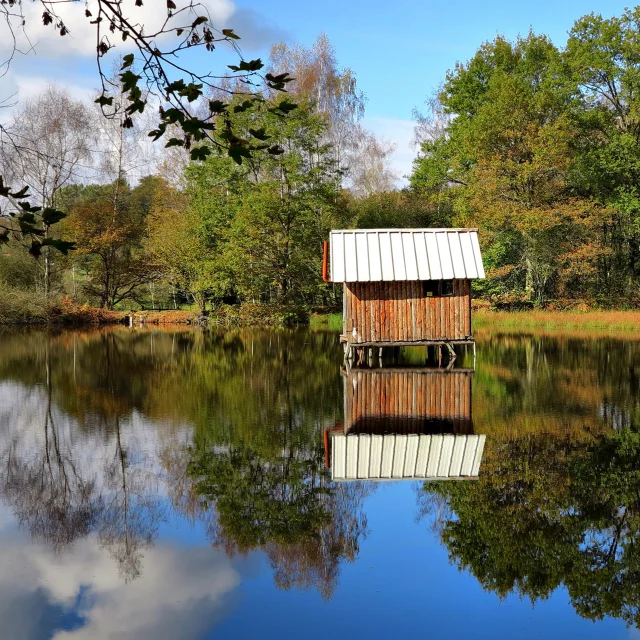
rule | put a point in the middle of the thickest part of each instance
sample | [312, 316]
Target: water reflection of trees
[533, 384]
[550, 511]
[247, 396]
[283, 505]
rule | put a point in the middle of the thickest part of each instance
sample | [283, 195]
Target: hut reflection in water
[405, 424]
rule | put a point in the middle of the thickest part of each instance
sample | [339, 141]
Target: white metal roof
[374, 255]
[396, 457]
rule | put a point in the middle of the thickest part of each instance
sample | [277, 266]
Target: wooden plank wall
[387, 401]
[399, 311]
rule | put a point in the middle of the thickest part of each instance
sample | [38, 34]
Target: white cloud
[400, 133]
[47, 42]
[180, 594]
[81, 39]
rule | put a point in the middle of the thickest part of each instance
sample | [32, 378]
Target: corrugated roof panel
[467, 255]
[423, 457]
[352, 457]
[411, 456]
[388, 443]
[350, 258]
[469, 455]
[339, 457]
[398, 456]
[397, 253]
[337, 257]
[375, 264]
[456, 255]
[434, 256]
[376, 456]
[420, 244]
[445, 455]
[457, 455]
[362, 250]
[444, 252]
[478, 256]
[386, 257]
[434, 456]
[478, 458]
[364, 454]
[374, 255]
[409, 252]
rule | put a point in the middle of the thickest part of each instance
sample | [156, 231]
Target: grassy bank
[619, 321]
[326, 321]
[19, 308]
[485, 319]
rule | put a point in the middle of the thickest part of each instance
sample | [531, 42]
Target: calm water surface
[175, 484]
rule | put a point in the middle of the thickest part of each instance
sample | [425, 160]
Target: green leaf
[243, 106]
[176, 85]
[228, 33]
[175, 142]
[285, 106]
[127, 61]
[200, 153]
[17, 194]
[217, 106]
[104, 101]
[26, 206]
[192, 91]
[260, 134]
[36, 248]
[129, 80]
[198, 21]
[61, 245]
[238, 151]
[51, 216]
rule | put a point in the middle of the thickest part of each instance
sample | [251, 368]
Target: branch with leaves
[22, 221]
[155, 74]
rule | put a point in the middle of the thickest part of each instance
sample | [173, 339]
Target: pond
[236, 484]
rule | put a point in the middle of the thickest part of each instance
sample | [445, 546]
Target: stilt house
[405, 286]
[405, 424]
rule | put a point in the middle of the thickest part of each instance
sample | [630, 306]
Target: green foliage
[548, 511]
[539, 148]
[263, 222]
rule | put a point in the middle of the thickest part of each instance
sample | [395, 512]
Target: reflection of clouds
[180, 594]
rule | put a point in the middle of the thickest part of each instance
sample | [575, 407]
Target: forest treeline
[536, 145]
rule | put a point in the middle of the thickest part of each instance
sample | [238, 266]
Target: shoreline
[484, 320]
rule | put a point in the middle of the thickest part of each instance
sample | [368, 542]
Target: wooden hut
[405, 286]
[405, 424]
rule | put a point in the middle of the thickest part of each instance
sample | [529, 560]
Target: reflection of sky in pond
[401, 581]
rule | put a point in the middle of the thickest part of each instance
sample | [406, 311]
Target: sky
[400, 51]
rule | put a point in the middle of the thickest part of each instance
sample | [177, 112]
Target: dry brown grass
[625, 322]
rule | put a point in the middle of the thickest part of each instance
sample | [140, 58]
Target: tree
[328, 89]
[266, 219]
[110, 232]
[601, 55]
[506, 160]
[177, 246]
[52, 148]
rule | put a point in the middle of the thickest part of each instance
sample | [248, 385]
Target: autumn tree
[507, 157]
[110, 232]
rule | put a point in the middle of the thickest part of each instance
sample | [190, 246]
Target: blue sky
[399, 50]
